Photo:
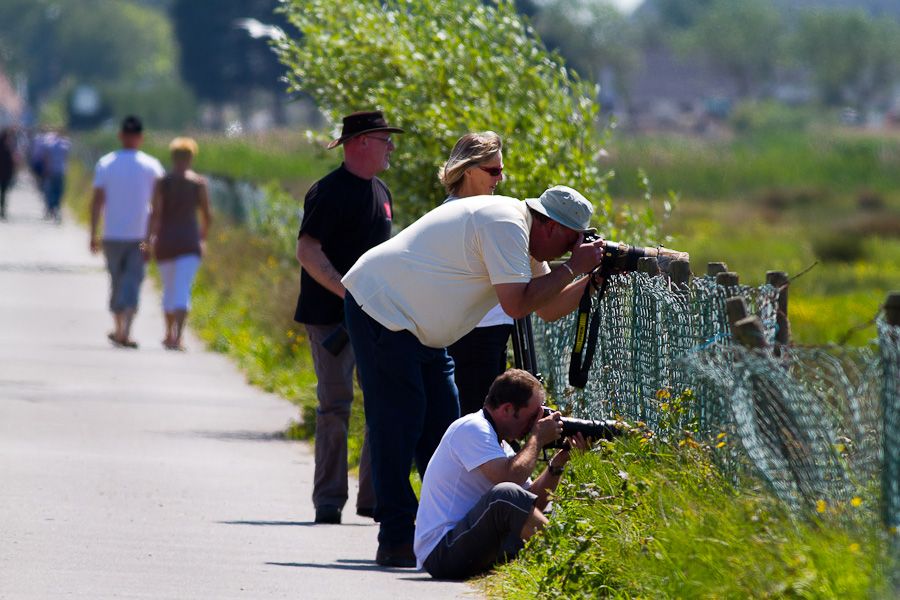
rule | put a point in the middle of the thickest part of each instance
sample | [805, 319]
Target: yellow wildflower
[854, 547]
[856, 501]
[663, 394]
[721, 436]
[821, 505]
[720, 445]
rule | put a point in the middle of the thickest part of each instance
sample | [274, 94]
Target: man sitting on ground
[478, 503]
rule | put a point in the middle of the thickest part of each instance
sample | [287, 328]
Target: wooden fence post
[681, 272]
[727, 279]
[736, 309]
[749, 332]
[714, 268]
[648, 265]
[892, 308]
[779, 280]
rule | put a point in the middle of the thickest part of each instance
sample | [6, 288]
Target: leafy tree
[220, 60]
[90, 41]
[591, 35]
[854, 58]
[441, 68]
[740, 38]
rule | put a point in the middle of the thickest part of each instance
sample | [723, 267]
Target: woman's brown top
[179, 233]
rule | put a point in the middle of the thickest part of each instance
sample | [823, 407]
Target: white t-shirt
[436, 277]
[453, 484]
[127, 178]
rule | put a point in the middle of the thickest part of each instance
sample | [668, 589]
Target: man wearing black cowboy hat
[345, 213]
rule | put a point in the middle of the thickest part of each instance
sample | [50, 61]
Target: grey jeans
[487, 535]
[335, 393]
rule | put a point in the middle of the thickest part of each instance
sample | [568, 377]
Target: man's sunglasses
[492, 171]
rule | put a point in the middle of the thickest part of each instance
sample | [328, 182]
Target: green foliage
[769, 117]
[92, 41]
[643, 519]
[165, 105]
[729, 36]
[221, 61]
[441, 68]
[592, 36]
[854, 58]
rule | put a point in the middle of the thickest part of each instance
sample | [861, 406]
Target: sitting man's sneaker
[366, 512]
[396, 555]
[328, 514]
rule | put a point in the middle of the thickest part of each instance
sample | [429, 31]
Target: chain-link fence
[818, 424]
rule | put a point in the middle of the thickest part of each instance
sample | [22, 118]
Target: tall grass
[639, 518]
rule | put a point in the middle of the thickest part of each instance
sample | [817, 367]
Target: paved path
[146, 473]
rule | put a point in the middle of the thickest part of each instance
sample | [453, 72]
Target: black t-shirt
[348, 215]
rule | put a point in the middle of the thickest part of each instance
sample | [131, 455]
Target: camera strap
[587, 329]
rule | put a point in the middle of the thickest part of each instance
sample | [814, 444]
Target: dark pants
[410, 401]
[490, 533]
[4, 187]
[334, 389]
[479, 357]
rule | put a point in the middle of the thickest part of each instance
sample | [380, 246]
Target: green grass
[823, 159]
[639, 519]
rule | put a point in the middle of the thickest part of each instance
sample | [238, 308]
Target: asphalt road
[146, 473]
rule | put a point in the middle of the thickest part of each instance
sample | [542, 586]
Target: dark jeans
[479, 357]
[410, 400]
[489, 534]
[54, 187]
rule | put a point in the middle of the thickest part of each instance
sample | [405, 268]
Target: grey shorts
[487, 535]
[126, 266]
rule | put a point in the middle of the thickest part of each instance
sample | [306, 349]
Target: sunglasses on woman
[492, 171]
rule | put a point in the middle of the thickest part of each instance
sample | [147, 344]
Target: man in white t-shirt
[123, 189]
[478, 504]
[413, 295]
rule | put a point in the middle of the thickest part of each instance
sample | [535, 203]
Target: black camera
[336, 340]
[619, 258]
[590, 429]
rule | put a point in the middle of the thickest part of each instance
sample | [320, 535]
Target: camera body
[619, 258]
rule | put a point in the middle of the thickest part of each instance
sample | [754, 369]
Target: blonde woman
[175, 236]
[475, 168]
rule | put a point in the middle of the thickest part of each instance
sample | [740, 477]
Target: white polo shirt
[436, 277]
[453, 484]
[127, 178]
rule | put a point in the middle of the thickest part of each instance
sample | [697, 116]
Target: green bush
[440, 68]
[754, 117]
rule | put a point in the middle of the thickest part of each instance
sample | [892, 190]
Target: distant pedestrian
[7, 166]
[36, 157]
[55, 148]
[175, 238]
[344, 214]
[123, 187]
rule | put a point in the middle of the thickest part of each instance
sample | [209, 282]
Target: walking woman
[474, 168]
[175, 237]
